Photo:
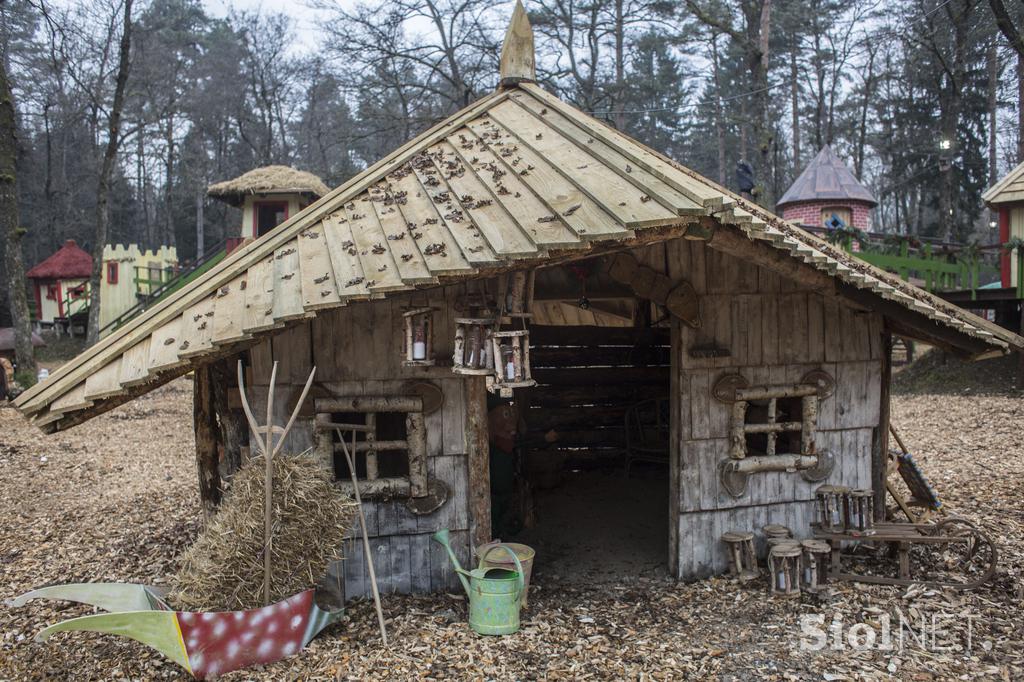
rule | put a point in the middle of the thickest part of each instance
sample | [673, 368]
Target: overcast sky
[304, 17]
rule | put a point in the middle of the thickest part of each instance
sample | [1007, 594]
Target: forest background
[922, 98]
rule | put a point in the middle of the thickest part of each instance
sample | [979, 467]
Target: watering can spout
[441, 537]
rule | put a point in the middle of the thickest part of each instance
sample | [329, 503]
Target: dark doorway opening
[600, 409]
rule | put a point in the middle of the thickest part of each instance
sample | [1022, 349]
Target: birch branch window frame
[741, 426]
[372, 485]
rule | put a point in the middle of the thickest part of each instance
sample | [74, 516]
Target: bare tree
[1015, 37]
[107, 170]
[752, 38]
[10, 226]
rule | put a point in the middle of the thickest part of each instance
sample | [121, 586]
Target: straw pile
[223, 570]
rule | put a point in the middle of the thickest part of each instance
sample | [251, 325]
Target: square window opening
[389, 427]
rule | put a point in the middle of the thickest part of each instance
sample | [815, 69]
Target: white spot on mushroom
[264, 648]
[234, 646]
[296, 622]
[288, 649]
[219, 628]
[195, 661]
[208, 616]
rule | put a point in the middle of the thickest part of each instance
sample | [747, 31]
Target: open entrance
[589, 480]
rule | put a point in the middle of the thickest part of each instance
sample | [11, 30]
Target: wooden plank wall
[357, 350]
[586, 378]
[775, 332]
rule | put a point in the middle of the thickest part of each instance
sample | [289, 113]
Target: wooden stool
[784, 564]
[861, 507]
[775, 530]
[816, 553]
[742, 559]
[830, 508]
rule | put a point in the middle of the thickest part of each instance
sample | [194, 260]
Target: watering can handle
[519, 566]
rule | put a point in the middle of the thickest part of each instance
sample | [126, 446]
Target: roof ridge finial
[517, 59]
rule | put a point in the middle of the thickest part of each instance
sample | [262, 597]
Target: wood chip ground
[115, 500]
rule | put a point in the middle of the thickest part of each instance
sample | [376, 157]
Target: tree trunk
[1020, 108]
[620, 59]
[794, 94]
[862, 130]
[719, 124]
[169, 236]
[200, 224]
[757, 62]
[992, 59]
[17, 298]
[106, 171]
[1015, 38]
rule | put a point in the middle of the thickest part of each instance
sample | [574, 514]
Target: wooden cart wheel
[952, 521]
[977, 554]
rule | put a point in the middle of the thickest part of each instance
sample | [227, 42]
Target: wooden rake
[264, 436]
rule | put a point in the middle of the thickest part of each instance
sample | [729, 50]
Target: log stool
[742, 558]
[861, 506]
[816, 553]
[775, 530]
[829, 508]
[784, 564]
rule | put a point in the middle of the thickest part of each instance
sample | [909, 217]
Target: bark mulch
[115, 500]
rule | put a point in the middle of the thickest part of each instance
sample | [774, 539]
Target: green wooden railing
[73, 305]
[153, 285]
[953, 268]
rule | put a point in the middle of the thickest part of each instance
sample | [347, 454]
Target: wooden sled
[978, 554]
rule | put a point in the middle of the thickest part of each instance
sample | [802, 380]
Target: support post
[880, 434]
[206, 433]
[232, 431]
[478, 461]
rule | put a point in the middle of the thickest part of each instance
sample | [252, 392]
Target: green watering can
[494, 593]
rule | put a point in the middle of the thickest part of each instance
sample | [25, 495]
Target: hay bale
[223, 570]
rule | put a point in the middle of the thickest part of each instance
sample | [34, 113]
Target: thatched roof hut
[268, 180]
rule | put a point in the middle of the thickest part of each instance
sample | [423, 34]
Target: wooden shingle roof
[826, 178]
[516, 179]
[1009, 190]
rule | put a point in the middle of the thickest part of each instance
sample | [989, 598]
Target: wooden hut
[1006, 197]
[60, 284]
[827, 195]
[267, 196]
[765, 349]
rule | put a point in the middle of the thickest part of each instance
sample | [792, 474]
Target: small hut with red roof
[827, 195]
[60, 284]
